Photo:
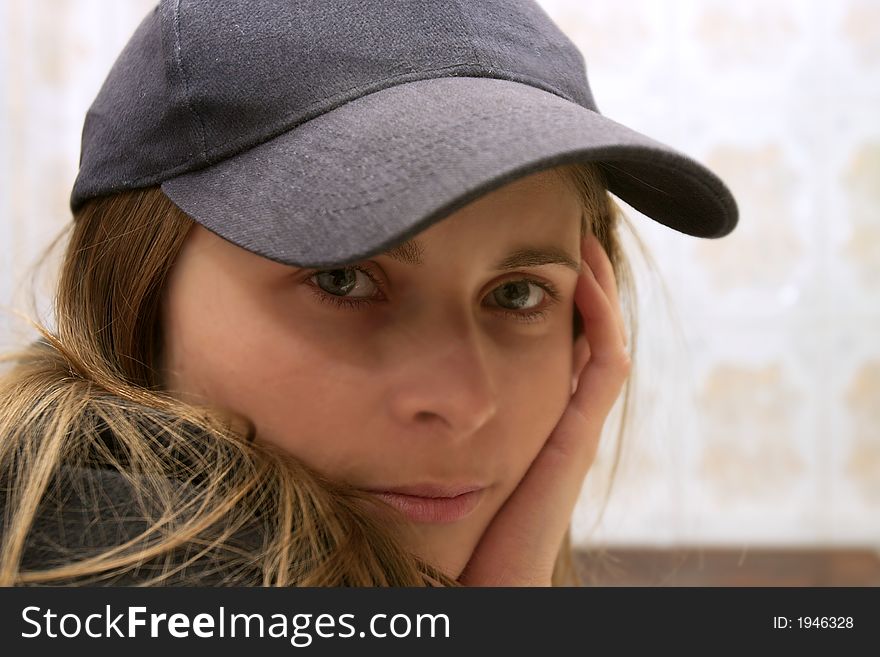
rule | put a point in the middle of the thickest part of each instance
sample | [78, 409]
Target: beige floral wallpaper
[757, 398]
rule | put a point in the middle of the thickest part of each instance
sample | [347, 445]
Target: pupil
[343, 279]
[516, 289]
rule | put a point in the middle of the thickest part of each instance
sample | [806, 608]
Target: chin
[451, 561]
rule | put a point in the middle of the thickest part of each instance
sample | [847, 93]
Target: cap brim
[353, 182]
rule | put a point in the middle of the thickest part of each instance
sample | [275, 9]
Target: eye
[518, 294]
[514, 296]
[339, 282]
[334, 286]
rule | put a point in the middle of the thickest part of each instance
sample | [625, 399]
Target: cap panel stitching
[469, 29]
[179, 61]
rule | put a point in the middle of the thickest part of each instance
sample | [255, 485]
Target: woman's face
[452, 371]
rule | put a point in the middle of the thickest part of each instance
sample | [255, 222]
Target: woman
[261, 336]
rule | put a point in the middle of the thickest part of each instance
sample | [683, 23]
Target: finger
[602, 377]
[599, 262]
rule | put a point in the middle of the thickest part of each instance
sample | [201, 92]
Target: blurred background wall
[758, 368]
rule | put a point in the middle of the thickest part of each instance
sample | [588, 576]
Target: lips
[433, 509]
[432, 502]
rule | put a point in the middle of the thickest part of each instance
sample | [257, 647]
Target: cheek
[307, 403]
[536, 391]
[289, 380]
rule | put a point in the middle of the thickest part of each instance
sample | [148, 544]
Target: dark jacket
[89, 509]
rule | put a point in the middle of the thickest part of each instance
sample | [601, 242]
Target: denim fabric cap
[320, 133]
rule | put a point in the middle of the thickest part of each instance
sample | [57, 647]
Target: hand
[520, 545]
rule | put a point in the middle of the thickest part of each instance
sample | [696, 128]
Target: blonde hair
[200, 481]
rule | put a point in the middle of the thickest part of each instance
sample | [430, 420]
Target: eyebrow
[410, 252]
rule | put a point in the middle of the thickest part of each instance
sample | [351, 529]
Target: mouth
[433, 504]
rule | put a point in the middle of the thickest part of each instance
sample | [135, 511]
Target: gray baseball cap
[319, 133]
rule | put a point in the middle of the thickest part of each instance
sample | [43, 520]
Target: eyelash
[358, 303]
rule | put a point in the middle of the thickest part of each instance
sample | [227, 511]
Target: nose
[444, 383]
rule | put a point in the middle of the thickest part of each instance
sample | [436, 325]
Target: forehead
[549, 180]
[546, 201]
